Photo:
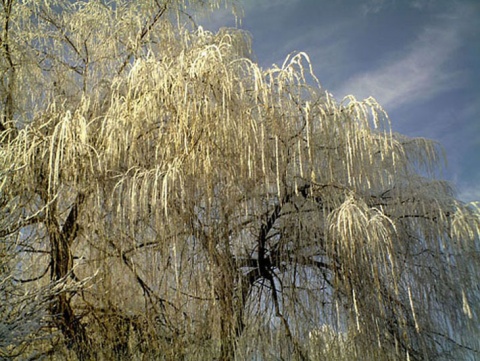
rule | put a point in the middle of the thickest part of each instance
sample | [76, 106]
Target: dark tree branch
[145, 31]
[32, 279]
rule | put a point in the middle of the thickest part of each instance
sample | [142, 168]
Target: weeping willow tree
[161, 195]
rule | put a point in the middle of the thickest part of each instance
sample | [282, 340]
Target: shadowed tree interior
[162, 196]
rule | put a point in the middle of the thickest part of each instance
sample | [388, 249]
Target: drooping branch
[148, 291]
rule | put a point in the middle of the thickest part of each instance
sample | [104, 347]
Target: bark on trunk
[61, 263]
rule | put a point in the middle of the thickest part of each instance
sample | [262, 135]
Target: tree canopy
[163, 196]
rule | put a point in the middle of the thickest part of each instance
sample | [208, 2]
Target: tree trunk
[232, 293]
[61, 263]
[229, 319]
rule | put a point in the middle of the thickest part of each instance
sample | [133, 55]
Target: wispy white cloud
[421, 4]
[419, 74]
[255, 5]
[321, 42]
[469, 192]
[426, 67]
[375, 6]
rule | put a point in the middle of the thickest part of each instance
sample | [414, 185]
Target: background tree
[168, 198]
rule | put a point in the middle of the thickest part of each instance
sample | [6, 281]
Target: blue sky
[419, 58]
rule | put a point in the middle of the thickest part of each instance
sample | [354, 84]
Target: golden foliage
[227, 209]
